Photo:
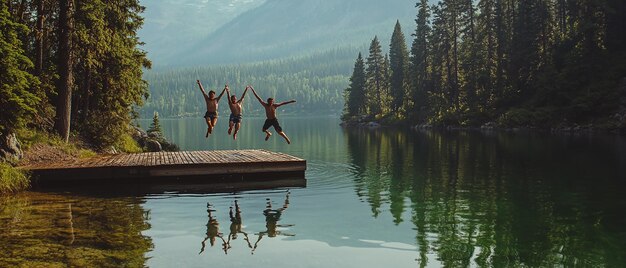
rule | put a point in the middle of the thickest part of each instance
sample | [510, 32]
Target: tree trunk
[64, 102]
[39, 39]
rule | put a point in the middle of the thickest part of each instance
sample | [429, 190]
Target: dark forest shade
[517, 63]
[87, 62]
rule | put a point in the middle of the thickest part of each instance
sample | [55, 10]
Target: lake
[374, 198]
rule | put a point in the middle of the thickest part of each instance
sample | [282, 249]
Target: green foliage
[12, 179]
[127, 144]
[111, 69]
[16, 84]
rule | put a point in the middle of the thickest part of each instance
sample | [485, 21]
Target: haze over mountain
[201, 32]
[171, 24]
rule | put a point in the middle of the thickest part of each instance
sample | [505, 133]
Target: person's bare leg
[230, 127]
[208, 130]
[267, 134]
[284, 136]
[213, 123]
[237, 126]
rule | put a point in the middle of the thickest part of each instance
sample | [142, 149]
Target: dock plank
[163, 164]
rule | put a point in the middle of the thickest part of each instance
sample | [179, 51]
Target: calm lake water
[380, 198]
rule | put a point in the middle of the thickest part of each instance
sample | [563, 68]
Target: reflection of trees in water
[492, 200]
[49, 230]
[272, 217]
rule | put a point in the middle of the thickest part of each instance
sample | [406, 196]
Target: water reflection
[55, 230]
[496, 199]
[272, 226]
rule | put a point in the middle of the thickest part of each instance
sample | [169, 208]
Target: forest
[71, 67]
[511, 63]
[315, 81]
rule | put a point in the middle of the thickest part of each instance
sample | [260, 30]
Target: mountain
[168, 24]
[282, 28]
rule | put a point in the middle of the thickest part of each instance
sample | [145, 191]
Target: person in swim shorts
[270, 113]
[211, 107]
[235, 111]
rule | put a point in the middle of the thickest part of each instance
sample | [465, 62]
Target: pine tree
[17, 101]
[111, 68]
[375, 79]
[355, 93]
[419, 66]
[399, 61]
[155, 127]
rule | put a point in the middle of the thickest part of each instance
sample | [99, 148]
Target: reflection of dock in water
[272, 216]
[197, 171]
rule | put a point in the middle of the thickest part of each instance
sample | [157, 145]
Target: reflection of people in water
[212, 230]
[272, 216]
[235, 227]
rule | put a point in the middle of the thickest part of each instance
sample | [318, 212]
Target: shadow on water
[498, 199]
[198, 185]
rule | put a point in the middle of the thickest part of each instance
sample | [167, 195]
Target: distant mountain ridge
[283, 28]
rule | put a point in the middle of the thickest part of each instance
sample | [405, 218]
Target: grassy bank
[13, 179]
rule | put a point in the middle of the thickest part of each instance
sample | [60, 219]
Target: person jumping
[211, 107]
[235, 111]
[270, 113]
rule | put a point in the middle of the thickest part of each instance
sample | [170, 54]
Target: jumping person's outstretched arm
[286, 102]
[243, 95]
[220, 96]
[201, 88]
[257, 97]
[227, 93]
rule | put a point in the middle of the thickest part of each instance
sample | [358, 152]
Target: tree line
[71, 66]
[512, 62]
[315, 81]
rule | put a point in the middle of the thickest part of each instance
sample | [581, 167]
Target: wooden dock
[191, 167]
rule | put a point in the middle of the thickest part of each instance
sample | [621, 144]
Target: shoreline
[488, 127]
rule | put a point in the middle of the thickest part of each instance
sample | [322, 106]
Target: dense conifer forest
[512, 63]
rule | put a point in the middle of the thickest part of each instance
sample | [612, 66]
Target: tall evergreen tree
[355, 93]
[398, 63]
[419, 65]
[111, 68]
[16, 99]
[485, 53]
[376, 81]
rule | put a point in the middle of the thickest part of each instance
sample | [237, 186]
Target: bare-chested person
[235, 111]
[211, 108]
[270, 113]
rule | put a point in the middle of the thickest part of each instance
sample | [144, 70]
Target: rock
[153, 146]
[10, 148]
[373, 125]
[488, 126]
[139, 133]
[154, 135]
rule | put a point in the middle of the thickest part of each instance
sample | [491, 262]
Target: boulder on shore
[373, 125]
[153, 146]
[10, 148]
